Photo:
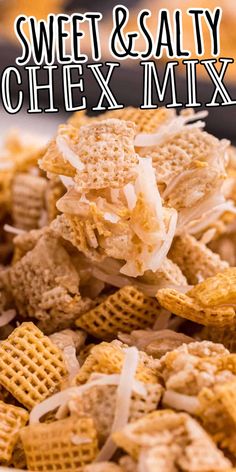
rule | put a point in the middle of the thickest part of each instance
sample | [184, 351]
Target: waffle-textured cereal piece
[81, 234]
[196, 261]
[25, 242]
[227, 394]
[17, 156]
[65, 445]
[99, 403]
[188, 307]
[52, 160]
[31, 366]
[217, 414]
[192, 367]
[108, 358]
[153, 459]
[12, 419]
[107, 152]
[125, 310]
[155, 343]
[104, 151]
[146, 121]
[168, 273]
[103, 467]
[190, 189]
[28, 201]
[60, 310]
[39, 275]
[178, 151]
[227, 362]
[217, 290]
[173, 435]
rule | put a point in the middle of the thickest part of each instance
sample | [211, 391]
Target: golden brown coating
[31, 366]
[67, 444]
[12, 419]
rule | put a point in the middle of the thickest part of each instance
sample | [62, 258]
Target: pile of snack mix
[118, 296]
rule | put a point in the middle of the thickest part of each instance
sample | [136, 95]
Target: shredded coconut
[182, 402]
[63, 398]
[68, 154]
[13, 230]
[172, 127]
[123, 399]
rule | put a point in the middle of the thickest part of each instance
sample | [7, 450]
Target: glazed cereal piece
[126, 309]
[65, 445]
[136, 236]
[98, 154]
[16, 157]
[217, 414]
[189, 308]
[190, 368]
[227, 396]
[196, 261]
[103, 467]
[52, 160]
[69, 337]
[99, 403]
[177, 151]
[146, 121]
[165, 434]
[156, 458]
[108, 358]
[59, 310]
[219, 290]
[168, 274]
[26, 241]
[195, 186]
[12, 419]
[100, 149]
[28, 201]
[45, 281]
[31, 366]
[155, 343]
[81, 234]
